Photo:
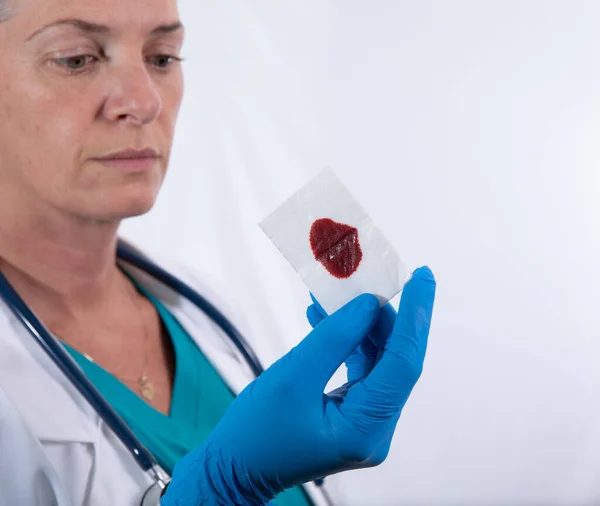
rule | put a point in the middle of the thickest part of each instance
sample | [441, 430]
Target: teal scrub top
[200, 398]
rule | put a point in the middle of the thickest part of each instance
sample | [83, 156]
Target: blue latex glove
[282, 430]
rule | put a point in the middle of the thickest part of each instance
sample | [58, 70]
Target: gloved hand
[282, 430]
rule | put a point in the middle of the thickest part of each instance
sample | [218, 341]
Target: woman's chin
[134, 207]
[116, 202]
[115, 209]
[137, 210]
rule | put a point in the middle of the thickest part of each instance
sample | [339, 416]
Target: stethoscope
[71, 370]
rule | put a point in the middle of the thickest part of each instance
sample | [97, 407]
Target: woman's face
[81, 80]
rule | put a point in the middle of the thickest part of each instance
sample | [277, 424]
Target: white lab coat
[54, 448]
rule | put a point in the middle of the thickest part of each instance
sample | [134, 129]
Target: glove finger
[384, 326]
[336, 337]
[361, 361]
[382, 329]
[385, 390]
[318, 306]
[314, 316]
[358, 364]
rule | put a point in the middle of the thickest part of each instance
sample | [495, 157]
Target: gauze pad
[333, 244]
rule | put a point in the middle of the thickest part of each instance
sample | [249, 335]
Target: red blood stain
[336, 247]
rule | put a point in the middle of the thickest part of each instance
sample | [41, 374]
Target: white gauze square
[333, 244]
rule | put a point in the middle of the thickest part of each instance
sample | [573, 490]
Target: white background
[470, 131]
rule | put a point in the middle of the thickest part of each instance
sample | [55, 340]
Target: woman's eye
[162, 61]
[75, 63]
[79, 63]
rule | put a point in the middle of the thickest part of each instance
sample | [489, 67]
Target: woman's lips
[140, 164]
[131, 160]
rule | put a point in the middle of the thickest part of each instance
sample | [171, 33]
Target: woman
[89, 95]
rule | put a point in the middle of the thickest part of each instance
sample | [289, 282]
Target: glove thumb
[324, 350]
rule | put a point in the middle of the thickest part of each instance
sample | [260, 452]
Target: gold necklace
[145, 386]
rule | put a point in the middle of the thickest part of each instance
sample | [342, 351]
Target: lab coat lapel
[35, 385]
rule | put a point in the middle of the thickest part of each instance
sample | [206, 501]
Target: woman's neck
[61, 264]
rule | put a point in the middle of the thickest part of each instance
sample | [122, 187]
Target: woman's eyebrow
[88, 27]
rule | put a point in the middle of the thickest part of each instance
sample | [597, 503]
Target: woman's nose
[133, 96]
